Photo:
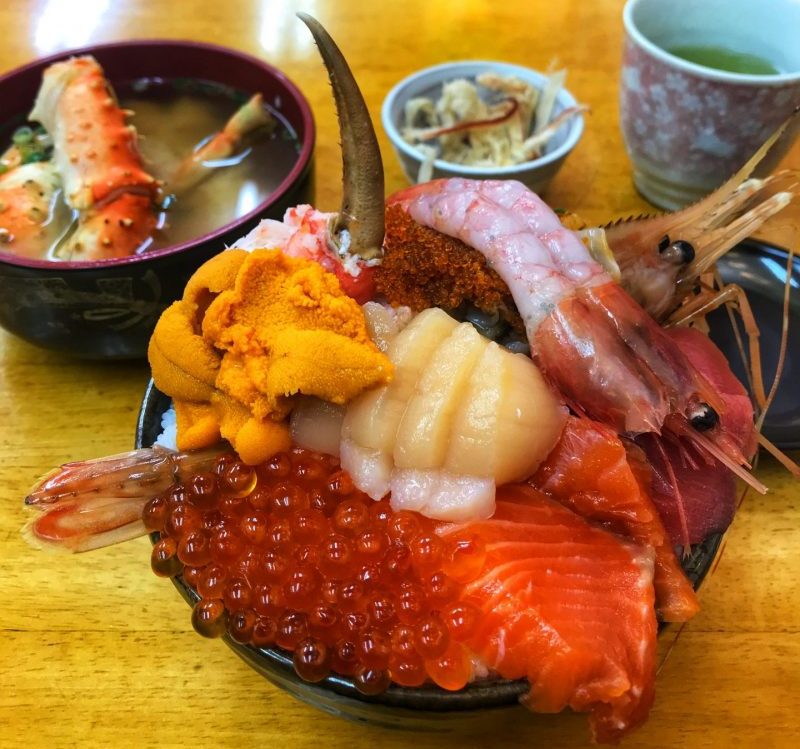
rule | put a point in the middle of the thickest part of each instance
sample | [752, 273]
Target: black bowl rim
[749, 247]
[478, 695]
[297, 173]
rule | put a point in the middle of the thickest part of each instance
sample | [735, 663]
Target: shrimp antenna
[362, 209]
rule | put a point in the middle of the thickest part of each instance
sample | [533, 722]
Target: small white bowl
[535, 174]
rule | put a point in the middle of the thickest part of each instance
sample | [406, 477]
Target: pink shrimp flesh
[522, 239]
[602, 351]
[89, 504]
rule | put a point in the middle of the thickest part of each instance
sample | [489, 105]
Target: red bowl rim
[302, 163]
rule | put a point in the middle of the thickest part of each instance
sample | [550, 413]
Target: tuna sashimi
[566, 605]
[591, 472]
[696, 494]
[695, 497]
[736, 421]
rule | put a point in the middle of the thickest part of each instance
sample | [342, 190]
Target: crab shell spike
[362, 196]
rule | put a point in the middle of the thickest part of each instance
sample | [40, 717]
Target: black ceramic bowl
[760, 269]
[424, 708]
[107, 309]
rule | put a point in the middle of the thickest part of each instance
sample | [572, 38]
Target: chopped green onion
[22, 136]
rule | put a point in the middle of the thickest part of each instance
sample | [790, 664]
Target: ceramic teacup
[689, 126]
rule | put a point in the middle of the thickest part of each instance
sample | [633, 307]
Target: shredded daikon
[494, 121]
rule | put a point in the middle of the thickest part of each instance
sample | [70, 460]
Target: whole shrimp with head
[606, 355]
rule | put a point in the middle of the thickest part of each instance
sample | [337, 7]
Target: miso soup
[173, 119]
[171, 123]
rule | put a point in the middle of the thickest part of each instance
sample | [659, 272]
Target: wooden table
[96, 651]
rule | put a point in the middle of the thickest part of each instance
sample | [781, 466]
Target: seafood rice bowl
[438, 452]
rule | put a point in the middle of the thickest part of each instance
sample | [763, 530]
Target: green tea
[723, 58]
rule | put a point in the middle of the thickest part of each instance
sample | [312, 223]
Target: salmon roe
[291, 554]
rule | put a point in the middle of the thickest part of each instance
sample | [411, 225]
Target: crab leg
[347, 243]
[250, 117]
[94, 149]
[95, 154]
[28, 198]
[361, 215]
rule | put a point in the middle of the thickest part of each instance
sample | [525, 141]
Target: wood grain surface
[96, 651]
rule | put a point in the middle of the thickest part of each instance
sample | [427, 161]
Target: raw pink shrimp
[601, 350]
[89, 504]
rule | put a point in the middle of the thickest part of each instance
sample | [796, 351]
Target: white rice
[169, 430]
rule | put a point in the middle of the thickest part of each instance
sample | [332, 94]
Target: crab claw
[361, 215]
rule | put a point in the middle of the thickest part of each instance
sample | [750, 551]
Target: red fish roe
[291, 554]
[164, 558]
[312, 660]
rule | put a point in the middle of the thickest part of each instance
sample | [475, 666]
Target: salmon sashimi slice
[568, 606]
[591, 472]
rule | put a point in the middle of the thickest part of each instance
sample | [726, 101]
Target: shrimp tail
[126, 473]
[77, 525]
[89, 504]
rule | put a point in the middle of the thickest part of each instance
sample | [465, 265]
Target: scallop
[375, 415]
[461, 416]
[509, 422]
[425, 429]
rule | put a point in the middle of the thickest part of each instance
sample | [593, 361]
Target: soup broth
[171, 124]
[173, 119]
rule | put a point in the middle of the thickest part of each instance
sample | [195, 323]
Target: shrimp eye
[679, 252]
[703, 417]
